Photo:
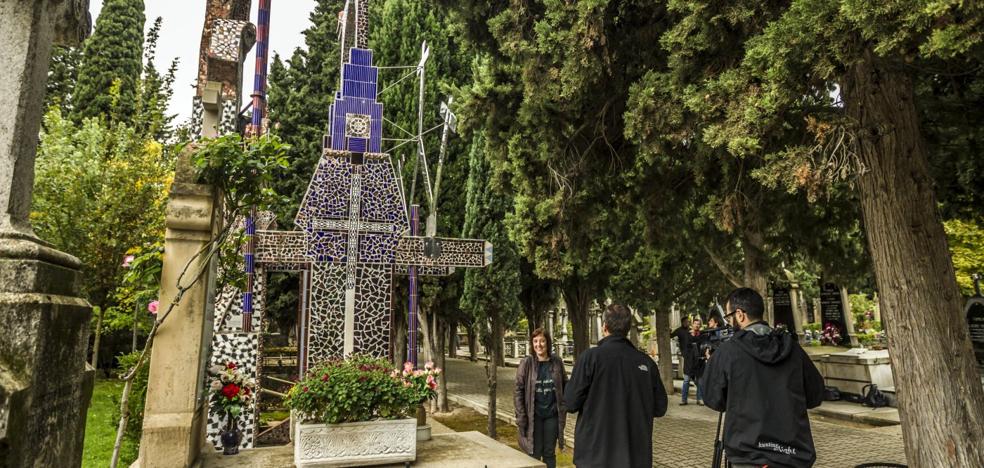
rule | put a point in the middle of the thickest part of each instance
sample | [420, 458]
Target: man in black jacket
[616, 391]
[765, 382]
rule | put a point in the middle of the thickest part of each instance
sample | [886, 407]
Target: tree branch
[719, 263]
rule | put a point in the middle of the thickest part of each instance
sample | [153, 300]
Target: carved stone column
[45, 384]
[175, 412]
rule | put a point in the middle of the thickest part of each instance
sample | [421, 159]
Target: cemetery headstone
[832, 310]
[782, 306]
[975, 322]
[45, 383]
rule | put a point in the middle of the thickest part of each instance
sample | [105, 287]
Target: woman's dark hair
[546, 336]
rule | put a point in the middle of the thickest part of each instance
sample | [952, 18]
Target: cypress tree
[112, 54]
[63, 71]
[491, 294]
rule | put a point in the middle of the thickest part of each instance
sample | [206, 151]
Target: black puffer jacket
[616, 391]
[765, 382]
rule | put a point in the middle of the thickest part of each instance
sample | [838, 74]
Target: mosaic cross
[353, 228]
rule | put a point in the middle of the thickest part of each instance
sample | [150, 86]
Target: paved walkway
[684, 438]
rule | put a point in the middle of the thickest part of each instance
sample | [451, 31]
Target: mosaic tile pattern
[352, 222]
[229, 120]
[275, 248]
[231, 40]
[243, 349]
[327, 312]
[197, 118]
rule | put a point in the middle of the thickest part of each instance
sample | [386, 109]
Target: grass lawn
[100, 427]
[467, 419]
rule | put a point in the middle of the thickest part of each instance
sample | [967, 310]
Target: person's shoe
[683, 403]
[700, 403]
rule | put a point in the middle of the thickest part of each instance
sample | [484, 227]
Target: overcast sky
[182, 31]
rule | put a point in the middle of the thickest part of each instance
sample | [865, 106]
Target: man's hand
[707, 354]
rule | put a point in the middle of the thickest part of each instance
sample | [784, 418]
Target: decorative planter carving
[355, 444]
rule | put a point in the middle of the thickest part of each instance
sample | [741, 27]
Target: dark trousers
[545, 440]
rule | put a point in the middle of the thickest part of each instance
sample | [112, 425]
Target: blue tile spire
[356, 116]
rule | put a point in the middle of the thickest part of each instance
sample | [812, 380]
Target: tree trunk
[491, 371]
[753, 248]
[578, 299]
[472, 343]
[500, 355]
[940, 398]
[663, 348]
[95, 343]
[452, 339]
[399, 351]
[426, 329]
[442, 379]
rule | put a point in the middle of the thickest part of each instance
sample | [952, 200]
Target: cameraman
[765, 382]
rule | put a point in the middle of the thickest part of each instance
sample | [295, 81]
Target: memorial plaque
[782, 307]
[975, 322]
[832, 310]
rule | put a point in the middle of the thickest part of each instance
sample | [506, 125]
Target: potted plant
[359, 411]
[230, 392]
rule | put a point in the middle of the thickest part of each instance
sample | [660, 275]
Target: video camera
[711, 338]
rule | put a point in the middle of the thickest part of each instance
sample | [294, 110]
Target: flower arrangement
[230, 390]
[361, 389]
[830, 335]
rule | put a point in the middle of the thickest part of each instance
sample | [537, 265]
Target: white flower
[216, 386]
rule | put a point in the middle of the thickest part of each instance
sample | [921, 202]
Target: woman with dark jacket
[539, 400]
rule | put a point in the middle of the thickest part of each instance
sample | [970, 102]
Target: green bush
[360, 389]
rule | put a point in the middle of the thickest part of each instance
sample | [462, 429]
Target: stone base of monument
[446, 449]
[852, 369]
[355, 444]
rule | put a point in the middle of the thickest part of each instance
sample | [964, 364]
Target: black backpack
[831, 394]
[873, 397]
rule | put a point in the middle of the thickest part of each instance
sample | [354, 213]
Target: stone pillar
[770, 315]
[799, 315]
[597, 329]
[45, 382]
[175, 412]
[849, 317]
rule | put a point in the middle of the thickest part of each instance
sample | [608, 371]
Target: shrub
[361, 389]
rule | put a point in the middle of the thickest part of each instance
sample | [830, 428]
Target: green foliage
[63, 71]
[138, 396]
[967, 248]
[360, 389]
[99, 192]
[111, 55]
[491, 294]
[244, 170]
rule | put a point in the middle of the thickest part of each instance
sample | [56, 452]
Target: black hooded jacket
[616, 391]
[765, 382]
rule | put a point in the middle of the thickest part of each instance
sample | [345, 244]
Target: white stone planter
[355, 444]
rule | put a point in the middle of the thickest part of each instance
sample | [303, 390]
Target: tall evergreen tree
[63, 71]
[846, 73]
[111, 56]
[490, 294]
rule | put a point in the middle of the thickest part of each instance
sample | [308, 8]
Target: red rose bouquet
[230, 390]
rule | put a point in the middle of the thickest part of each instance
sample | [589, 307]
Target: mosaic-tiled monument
[353, 229]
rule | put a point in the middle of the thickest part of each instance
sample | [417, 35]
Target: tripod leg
[718, 444]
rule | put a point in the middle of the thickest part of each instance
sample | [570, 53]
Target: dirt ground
[466, 419]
